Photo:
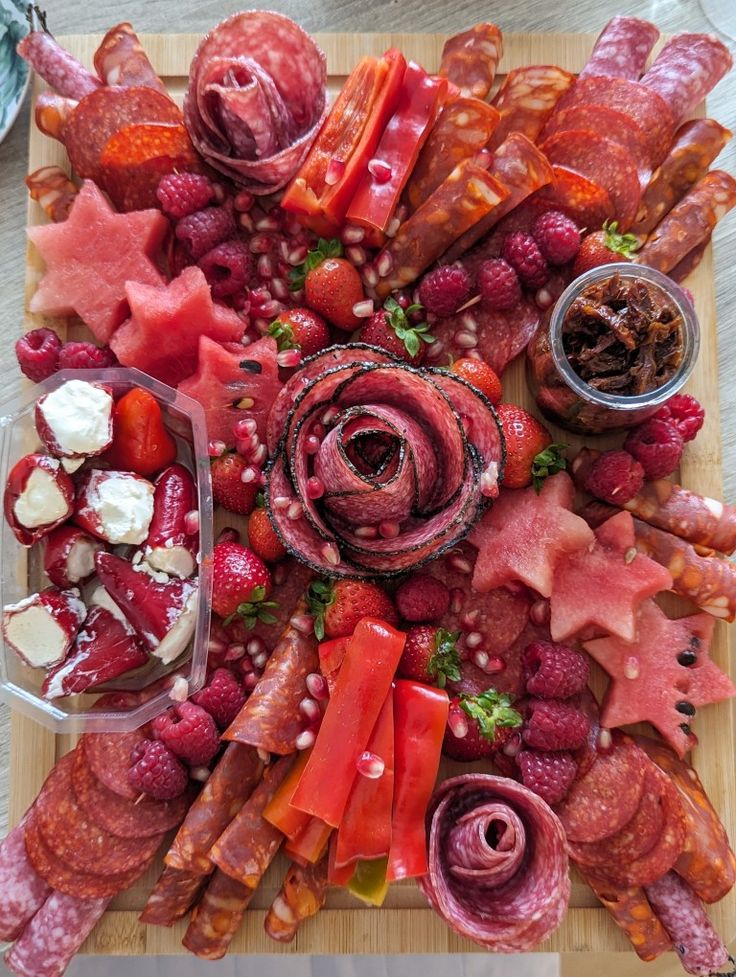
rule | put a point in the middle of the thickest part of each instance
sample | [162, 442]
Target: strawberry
[338, 606]
[430, 656]
[300, 329]
[390, 329]
[480, 375]
[262, 537]
[530, 454]
[603, 248]
[228, 488]
[486, 722]
[240, 585]
[332, 286]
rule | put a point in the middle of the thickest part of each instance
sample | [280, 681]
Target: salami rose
[381, 466]
[497, 862]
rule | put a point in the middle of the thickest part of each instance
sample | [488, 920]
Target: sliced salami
[695, 146]
[588, 204]
[469, 60]
[632, 913]
[526, 100]
[172, 897]
[687, 68]
[54, 935]
[108, 756]
[22, 890]
[56, 66]
[690, 222]
[497, 862]
[602, 161]
[217, 917]
[622, 48]
[121, 60]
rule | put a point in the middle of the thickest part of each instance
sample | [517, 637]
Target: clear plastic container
[567, 399]
[137, 696]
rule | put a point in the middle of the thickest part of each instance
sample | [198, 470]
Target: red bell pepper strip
[337, 139]
[371, 660]
[337, 198]
[365, 829]
[420, 101]
[331, 656]
[310, 844]
[279, 811]
[140, 441]
[420, 717]
[337, 875]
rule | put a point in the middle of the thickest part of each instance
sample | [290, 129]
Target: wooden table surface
[65, 17]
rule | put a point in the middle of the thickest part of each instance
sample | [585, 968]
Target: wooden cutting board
[405, 924]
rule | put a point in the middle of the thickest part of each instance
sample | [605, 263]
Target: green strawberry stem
[325, 249]
[411, 336]
[283, 334]
[320, 596]
[491, 709]
[254, 609]
[444, 665]
[623, 244]
[548, 462]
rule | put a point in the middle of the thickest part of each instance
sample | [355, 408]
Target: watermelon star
[524, 535]
[91, 255]
[162, 335]
[603, 586]
[664, 677]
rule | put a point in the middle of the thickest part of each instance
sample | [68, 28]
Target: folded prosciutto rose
[256, 98]
[378, 466]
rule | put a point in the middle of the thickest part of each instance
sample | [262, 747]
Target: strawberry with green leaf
[300, 329]
[604, 247]
[430, 655]
[530, 454]
[241, 582]
[486, 721]
[337, 606]
[332, 286]
[391, 329]
[548, 462]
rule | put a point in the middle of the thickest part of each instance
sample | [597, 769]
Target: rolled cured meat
[622, 48]
[497, 862]
[256, 98]
[687, 69]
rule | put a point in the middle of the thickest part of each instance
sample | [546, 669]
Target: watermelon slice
[524, 535]
[234, 382]
[663, 677]
[162, 335]
[603, 586]
[91, 255]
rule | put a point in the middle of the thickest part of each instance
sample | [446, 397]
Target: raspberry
[156, 771]
[445, 289]
[180, 194]
[86, 356]
[547, 774]
[222, 698]
[227, 268]
[205, 229]
[192, 735]
[422, 598]
[615, 477]
[685, 413]
[553, 671]
[558, 237]
[657, 446]
[554, 725]
[498, 284]
[38, 354]
[523, 254]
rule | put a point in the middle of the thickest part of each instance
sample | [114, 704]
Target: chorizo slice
[632, 913]
[469, 60]
[53, 190]
[172, 897]
[302, 894]
[527, 99]
[217, 917]
[121, 60]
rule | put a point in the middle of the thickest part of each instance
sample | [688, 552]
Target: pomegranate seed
[250, 681]
[262, 326]
[356, 255]
[435, 350]
[470, 323]
[179, 690]
[389, 529]
[261, 244]
[334, 172]
[458, 723]
[289, 358]
[291, 226]
[474, 640]
[352, 234]
[302, 622]
[370, 765]
[246, 222]
[263, 755]
[249, 474]
[480, 658]
[281, 502]
[380, 171]
[260, 659]
[228, 535]
[279, 573]
[264, 267]
[191, 522]
[489, 481]
[216, 646]
[297, 255]
[366, 532]
[258, 296]
[309, 709]
[401, 212]
[219, 193]
[312, 445]
[279, 289]
[243, 200]
[495, 665]
[295, 511]
[255, 646]
[234, 652]
[331, 554]
[269, 310]
[393, 227]
[457, 599]
[605, 740]
[305, 740]
[330, 416]
[364, 309]
[318, 430]
[245, 427]
[512, 747]
[469, 620]
[315, 487]
[483, 158]
[200, 774]
[246, 664]
[465, 340]
[216, 448]
[370, 275]
[268, 223]
[539, 612]
[460, 564]
[317, 686]
[284, 248]
[384, 264]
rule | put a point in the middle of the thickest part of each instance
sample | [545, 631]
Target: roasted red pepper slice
[140, 442]
[310, 844]
[365, 678]
[375, 200]
[420, 717]
[279, 811]
[365, 829]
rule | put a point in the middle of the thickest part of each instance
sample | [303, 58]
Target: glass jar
[567, 399]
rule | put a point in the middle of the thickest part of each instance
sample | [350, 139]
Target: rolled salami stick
[686, 70]
[633, 914]
[56, 66]
[469, 60]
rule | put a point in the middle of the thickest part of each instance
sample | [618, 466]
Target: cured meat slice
[256, 98]
[53, 936]
[465, 197]
[22, 890]
[690, 222]
[53, 190]
[217, 917]
[633, 914]
[588, 204]
[526, 100]
[642, 105]
[602, 161]
[270, 719]
[599, 804]
[695, 146]
[172, 897]
[108, 756]
[687, 68]
[622, 48]
[226, 790]
[105, 112]
[247, 847]
[302, 894]
[462, 129]
[469, 60]
[51, 113]
[690, 262]
[56, 66]
[497, 862]
[141, 818]
[290, 581]
[121, 60]
[694, 938]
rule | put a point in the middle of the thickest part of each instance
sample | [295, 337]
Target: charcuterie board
[405, 924]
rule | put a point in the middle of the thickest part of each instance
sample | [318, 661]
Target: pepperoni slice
[108, 756]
